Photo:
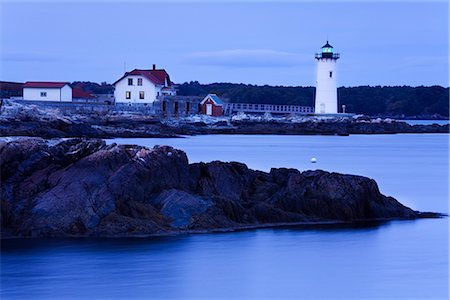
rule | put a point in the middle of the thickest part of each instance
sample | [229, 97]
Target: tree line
[369, 100]
[93, 87]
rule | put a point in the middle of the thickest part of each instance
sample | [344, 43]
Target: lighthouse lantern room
[326, 91]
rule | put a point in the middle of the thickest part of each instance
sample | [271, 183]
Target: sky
[252, 42]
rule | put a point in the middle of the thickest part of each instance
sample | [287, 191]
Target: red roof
[157, 76]
[161, 75]
[80, 93]
[42, 84]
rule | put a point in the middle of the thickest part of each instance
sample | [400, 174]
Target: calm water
[407, 259]
[426, 122]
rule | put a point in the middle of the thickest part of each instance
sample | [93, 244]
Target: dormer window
[130, 81]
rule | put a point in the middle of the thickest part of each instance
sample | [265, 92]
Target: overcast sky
[381, 43]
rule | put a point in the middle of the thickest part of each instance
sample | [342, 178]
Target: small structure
[326, 91]
[47, 91]
[11, 89]
[143, 86]
[212, 105]
[177, 106]
[80, 95]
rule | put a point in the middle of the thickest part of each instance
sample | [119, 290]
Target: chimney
[154, 67]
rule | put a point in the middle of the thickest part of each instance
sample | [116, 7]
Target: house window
[130, 81]
[331, 74]
[199, 107]
[157, 94]
[176, 107]
[139, 81]
[128, 95]
[43, 94]
[188, 107]
[164, 106]
[141, 95]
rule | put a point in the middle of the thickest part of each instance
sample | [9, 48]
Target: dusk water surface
[401, 259]
[426, 122]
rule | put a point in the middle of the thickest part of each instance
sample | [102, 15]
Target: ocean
[387, 260]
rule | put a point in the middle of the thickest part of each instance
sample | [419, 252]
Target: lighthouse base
[346, 115]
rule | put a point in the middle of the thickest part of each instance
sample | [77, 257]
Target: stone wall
[178, 105]
[75, 107]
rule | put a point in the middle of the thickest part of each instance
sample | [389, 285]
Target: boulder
[180, 207]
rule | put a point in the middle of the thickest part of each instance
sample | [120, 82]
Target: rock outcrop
[30, 120]
[83, 187]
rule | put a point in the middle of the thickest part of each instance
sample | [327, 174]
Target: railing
[231, 108]
[321, 55]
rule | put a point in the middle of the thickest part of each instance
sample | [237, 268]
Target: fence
[231, 108]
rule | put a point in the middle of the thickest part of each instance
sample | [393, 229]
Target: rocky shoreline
[85, 188]
[151, 128]
[20, 120]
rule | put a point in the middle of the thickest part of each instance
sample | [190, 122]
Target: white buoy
[313, 160]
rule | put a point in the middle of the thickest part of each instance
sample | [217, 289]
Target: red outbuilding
[211, 105]
[79, 93]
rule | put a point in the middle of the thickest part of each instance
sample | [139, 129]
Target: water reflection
[396, 259]
[401, 259]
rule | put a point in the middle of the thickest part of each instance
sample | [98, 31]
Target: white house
[143, 86]
[47, 91]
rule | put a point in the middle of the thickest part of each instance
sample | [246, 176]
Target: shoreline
[307, 225]
[21, 120]
[132, 129]
[88, 188]
[182, 136]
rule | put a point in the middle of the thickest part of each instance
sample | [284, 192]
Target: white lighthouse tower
[326, 91]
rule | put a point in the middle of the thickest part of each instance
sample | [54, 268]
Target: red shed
[212, 106]
[79, 93]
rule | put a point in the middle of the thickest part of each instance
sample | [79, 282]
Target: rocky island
[84, 187]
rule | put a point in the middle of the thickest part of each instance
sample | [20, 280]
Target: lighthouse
[326, 91]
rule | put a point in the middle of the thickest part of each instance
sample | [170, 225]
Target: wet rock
[83, 187]
[180, 207]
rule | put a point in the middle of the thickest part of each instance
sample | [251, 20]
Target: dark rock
[180, 207]
[83, 187]
[24, 120]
